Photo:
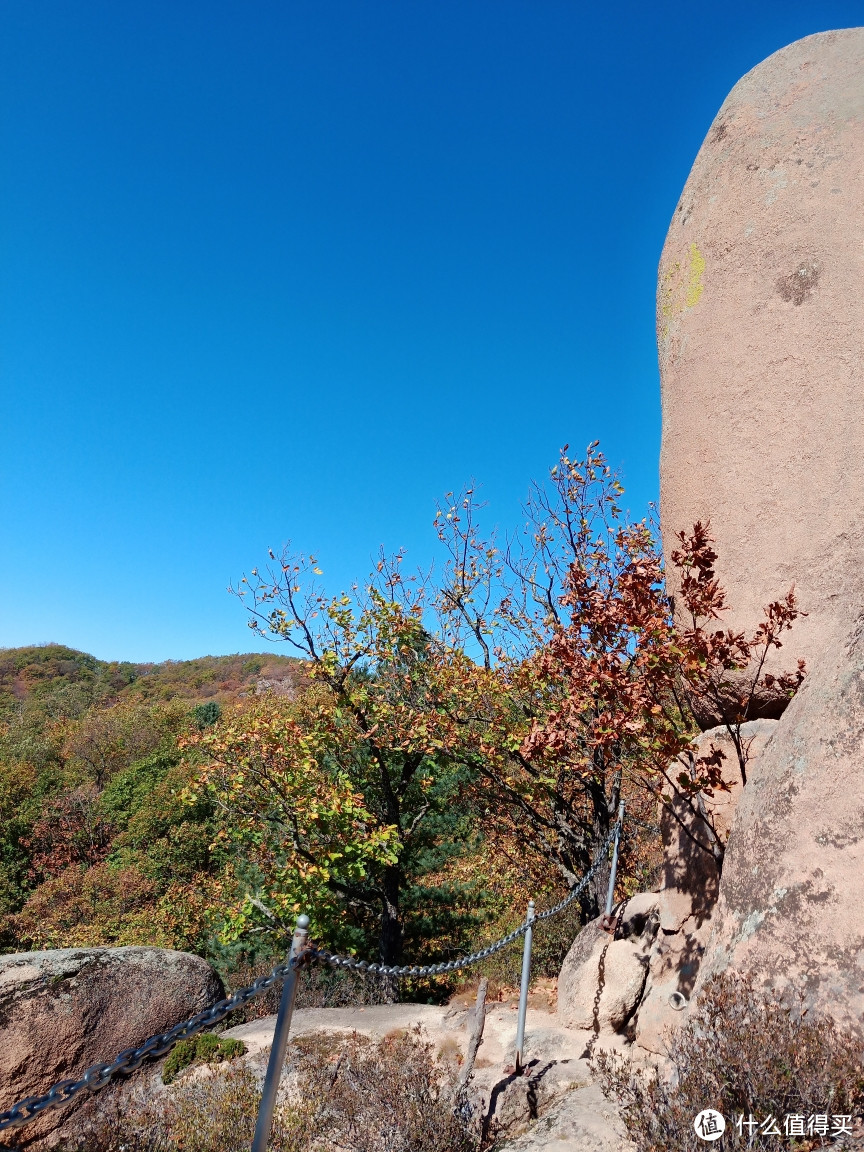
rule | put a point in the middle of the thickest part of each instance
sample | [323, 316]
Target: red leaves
[695, 560]
[71, 831]
[557, 669]
[726, 670]
[621, 669]
[789, 681]
[608, 650]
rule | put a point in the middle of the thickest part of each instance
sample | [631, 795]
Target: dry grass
[743, 1052]
[345, 1093]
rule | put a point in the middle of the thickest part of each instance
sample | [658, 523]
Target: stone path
[554, 1106]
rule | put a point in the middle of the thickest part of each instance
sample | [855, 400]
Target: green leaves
[271, 769]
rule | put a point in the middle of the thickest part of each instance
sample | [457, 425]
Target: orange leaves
[700, 589]
[549, 674]
[71, 831]
[83, 908]
[596, 683]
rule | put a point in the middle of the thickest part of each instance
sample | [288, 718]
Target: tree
[376, 675]
[727, 670]
[70, 831]
[86, 907]
[296, 814]
[105, 740]
[589, 679]
[541, 682]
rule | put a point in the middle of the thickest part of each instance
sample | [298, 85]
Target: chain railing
[129, 1059]
[301, 956]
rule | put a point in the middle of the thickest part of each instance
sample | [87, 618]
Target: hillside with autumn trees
[94, 844]
[417, 756]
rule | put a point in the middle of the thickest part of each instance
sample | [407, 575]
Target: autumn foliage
[307, 830]
[447, 743]
[535, 683]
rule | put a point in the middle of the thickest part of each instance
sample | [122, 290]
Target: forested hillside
[59, 680]
[96, 843]
[107, 838]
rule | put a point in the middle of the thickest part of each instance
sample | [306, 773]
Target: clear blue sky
[277, 270]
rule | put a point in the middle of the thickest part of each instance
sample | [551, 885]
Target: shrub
[85, 908]
[207, 1048]
[207, 714]
[338, 1092]
[743, 1052]
[210, 1114]
[388, 1096]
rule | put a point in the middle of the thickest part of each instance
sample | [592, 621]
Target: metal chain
[322, 957]
[601, 977]
[601, 984]
[129, 1059]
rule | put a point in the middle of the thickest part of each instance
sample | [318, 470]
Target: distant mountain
[68, 681]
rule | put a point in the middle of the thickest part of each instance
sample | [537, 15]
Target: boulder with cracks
[63, 1010]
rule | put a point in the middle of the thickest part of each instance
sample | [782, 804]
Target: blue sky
[292, 270]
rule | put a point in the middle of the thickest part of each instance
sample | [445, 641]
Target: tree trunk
[603, 808]
[390, 947]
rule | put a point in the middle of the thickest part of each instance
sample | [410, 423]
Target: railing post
[280, 1043]
[610, 894]
[523, 988]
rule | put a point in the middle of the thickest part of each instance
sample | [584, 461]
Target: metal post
[523, 990]
[280, 1043]
[610, 895]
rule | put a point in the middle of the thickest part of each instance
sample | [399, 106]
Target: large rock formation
[61, 1011]
[761, 341]
[791, 904]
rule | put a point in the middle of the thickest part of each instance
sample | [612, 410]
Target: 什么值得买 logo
[709, 1124]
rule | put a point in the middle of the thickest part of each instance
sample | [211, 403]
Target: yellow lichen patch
[682, 285]
[694, 280]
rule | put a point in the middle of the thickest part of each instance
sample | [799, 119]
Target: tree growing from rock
[591, 678]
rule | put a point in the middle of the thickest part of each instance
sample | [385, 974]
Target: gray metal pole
[280, 1043]
[523, 989]
[610, 895]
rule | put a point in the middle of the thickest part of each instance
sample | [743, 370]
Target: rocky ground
[72, 1008]
[553, 1104]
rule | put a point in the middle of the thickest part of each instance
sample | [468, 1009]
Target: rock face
[790, 908]
[61, 1011]
[688, 869]
[652, 965]
[760, 330]
[583, 1121]
[650, 969]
